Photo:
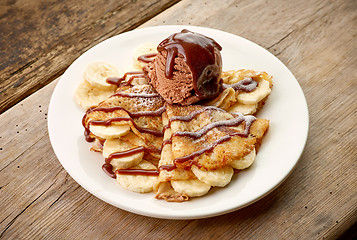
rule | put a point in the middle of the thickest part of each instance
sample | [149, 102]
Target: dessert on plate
[175, 124]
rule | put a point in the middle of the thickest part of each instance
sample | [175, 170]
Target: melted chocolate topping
[143, 172]
[205, 129]
[147, 58]
[127, 119]
[108, 169]
[168, 167]
[131, 152]
[245, 85]
[201, 54]
[120, 82]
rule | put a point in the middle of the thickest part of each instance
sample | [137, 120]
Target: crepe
[244, 91]
[130, 135]
[201, 146]
[137, 108]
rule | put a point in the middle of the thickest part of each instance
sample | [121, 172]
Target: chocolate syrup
[143, 172]
[168, 167]
[128, 119]
[108, 169]
[147, 58]
[205, 129]
[165, 142]
[154, 113]
[120, 82]
[193, 114]
[127, 153]
[245, 85]
[202, 56]
[131, 152]
[87, 135]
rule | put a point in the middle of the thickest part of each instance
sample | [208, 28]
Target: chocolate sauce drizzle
[144, 172]
[147, 58]
[200, 54]
[245, 85]
[127, 119]
[195, 135]
[120, 81]
[131, 152]
[108, 169]
[126, 153]
[154, 113]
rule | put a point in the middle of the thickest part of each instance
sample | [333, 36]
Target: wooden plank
[39, 39]
[318, 201]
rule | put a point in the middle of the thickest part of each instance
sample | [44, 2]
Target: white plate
[286, 109]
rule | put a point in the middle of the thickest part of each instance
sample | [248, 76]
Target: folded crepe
[244, 91]
[129, 126]
[202, 145]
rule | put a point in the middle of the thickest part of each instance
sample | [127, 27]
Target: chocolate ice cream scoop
[187, 68]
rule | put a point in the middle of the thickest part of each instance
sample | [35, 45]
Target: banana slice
[245, 162]
[257, 95]
[109, 132]
[146, 48]
[226, 99]
[219, 177]
[96, 74]
[116, 145]
[87, 96]
[138, 183]
[243, 108]
[136, 80]
[192, 188]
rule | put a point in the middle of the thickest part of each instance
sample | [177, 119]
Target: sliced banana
[257, 95]
[146, 48]
[96, 74]
[219, 177]
[245, 162]
[109, 132]
[136, 80]
[192, 188]
[243, 108]
[116, 145]
[138, 183]
[87, 96]
[225, 99]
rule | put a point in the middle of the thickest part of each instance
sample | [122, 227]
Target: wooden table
[315, 39]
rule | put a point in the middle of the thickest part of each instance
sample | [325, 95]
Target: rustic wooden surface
[315, 39]
[40, 39]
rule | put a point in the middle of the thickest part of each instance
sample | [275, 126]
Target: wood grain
[39, 39]
[317, 201]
